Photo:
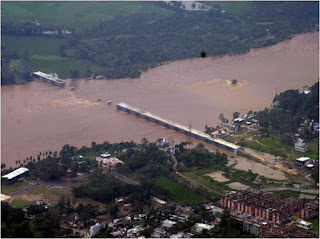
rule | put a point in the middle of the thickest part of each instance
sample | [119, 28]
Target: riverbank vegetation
[124, 42]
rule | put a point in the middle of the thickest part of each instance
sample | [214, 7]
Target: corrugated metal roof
[16, 173]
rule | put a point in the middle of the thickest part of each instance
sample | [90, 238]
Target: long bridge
[179, 127]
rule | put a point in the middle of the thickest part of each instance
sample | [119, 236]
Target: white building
[300, 146]
[199, 227]
[168, 223]
[302, 161]
[94, 230]
[15, 174]
[304, 224]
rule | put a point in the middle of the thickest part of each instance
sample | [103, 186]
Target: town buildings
[264, 205]
[310, 210]
[108, 162]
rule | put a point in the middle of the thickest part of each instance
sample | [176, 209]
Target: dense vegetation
[291, 109]
[39, 221]
[199, 157]
[123, 42]
[125, 46]
[14, 69]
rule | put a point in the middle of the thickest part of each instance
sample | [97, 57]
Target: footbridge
[179, 127]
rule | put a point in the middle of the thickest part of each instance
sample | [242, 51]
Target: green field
[12, 188]
[44, 55]
[182, 195]
[236, 7]
[76, 15]
[315, 224]
[18, 203]
[34, 45]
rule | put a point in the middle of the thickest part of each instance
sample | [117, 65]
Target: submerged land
[134, 178]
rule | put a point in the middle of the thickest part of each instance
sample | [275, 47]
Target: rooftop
[303, 159]
[15, 173]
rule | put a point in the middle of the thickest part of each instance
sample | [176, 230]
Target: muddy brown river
[41, 117]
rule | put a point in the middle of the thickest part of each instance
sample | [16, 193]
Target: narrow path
[309, 191]
[124, 178]
[27, 189]
[175, 162]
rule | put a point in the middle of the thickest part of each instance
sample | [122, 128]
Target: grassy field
[34, 45]
[313, 147]
[315, 224]
[19, 203]
[236, 7]
[199, 176]
[76, 15]
[285, 194]
[182, 195]
[49, 194]
[44, 55]
[62, 65]
[12, 188]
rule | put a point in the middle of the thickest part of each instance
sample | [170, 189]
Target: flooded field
[39, 117]
[261, 169]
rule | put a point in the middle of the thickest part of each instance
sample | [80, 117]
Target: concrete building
[300, 146]
[199, 227]
[302, 161]
[94, 230]
[15, 175]
[310, 210]
[230, 126]
[168, 223]
[159, 202]
[304, 224]
[264, 205]
[106, 161]
[251, 224]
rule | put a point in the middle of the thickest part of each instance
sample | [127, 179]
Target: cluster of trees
[127, 45]
[199, 157]
[291, 109]
[14, 222]
[103, 188]
[32, 29]
[14, 69]
[147, 161]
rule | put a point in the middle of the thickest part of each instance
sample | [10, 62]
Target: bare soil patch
[238, 186]
[218, 176]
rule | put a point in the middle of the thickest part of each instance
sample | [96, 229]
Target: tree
[235, 115]
[222, 118]
[74, 74]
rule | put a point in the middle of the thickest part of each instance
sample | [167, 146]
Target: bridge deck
[184, 128]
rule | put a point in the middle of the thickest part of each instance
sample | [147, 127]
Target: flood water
[41, 117]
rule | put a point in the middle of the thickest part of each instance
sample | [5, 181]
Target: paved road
[27, 189]
[310, 191]
[175, 162]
